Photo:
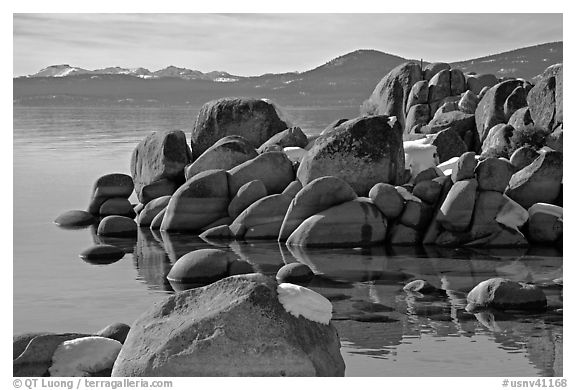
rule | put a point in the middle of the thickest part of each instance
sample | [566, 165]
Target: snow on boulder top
[84, 356]
[301, 301]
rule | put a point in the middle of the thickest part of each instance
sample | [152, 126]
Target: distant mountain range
[346, 80]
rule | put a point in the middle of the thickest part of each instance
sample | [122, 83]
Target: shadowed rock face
[254, 119]
[362, 152]
[234, 327]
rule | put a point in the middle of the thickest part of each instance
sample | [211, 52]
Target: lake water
[59, 153]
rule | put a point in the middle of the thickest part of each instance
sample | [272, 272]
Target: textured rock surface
[456, 210]
[293, 136]
[151, 210]
[362, 152]
[540, 181]
[234, 327]
[254, 119]
[387, 199]
[493, 174]
[161, 155]
[84, 356]
[246, 195]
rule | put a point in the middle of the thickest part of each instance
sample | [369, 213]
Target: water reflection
[373, 315]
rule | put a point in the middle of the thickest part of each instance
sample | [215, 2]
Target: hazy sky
[253, 44]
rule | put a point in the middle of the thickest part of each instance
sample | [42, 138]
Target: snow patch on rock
[301, 301]
[84, 356]
[419, 155]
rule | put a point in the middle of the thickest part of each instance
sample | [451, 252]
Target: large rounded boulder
[158, 161]
[274, 169]
[254, 119]
[354, 223]
[390, 97]
[200, 201]
[240, 326]
[225, 154]
[362, 152]
[318, 195]
[545, 99]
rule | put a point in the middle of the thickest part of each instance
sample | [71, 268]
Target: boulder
[161, 155]
[490, 111]
[468, 102]
[523, 156]
[274, 169]
[117, 226]
[296, 273]
[263, 219]
[465, 167]
[292, 189]
[433, 68]
[200, 201]
[477, 83]
[293, 136]
[202, 266]
[246, 195]
[151, 210]
[497, 142]
[21, 341]
[116, 331]
[457, 82]
[500, 237]
[493, 174]
[418, 95]
[256, 120]
[458, 121]
[418, 115]
[117, 206]
[363, 151]
[545, 223]
[428, 191]
[515, 101]
[435, 228]
[391, 94]
[421, 286]
[512, 215]
[234, 327]
[539, 182]
[226, 153]
[488, 205]
[504, 294]
[439, 86]
[75, 218]
[521, 119]
[318, 195]
[416, 214]
[387, 199]
[84, 356]
[448, 144]
[158, 189]
[113, 185]
[402, 235]
[442, 106]
[354, 223]
[456, 210]
[102, 254]
[542, 99]
[427, 175]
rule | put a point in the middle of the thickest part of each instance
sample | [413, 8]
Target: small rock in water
[296, 273]
[506, 294]
[102, 254]
[117, 206]
[116, 331]
[201, 266]
[84, 356]
[117, 226]
[75, 218]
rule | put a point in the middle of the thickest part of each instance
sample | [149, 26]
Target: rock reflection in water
[374, 316]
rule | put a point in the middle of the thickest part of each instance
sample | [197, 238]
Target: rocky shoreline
[437, 158]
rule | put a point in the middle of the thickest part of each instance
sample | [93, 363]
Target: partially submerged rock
[75, 218]
[504, 294]
[84, 356]
[234, 327]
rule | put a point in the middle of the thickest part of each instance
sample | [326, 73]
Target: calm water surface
[59, 152]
